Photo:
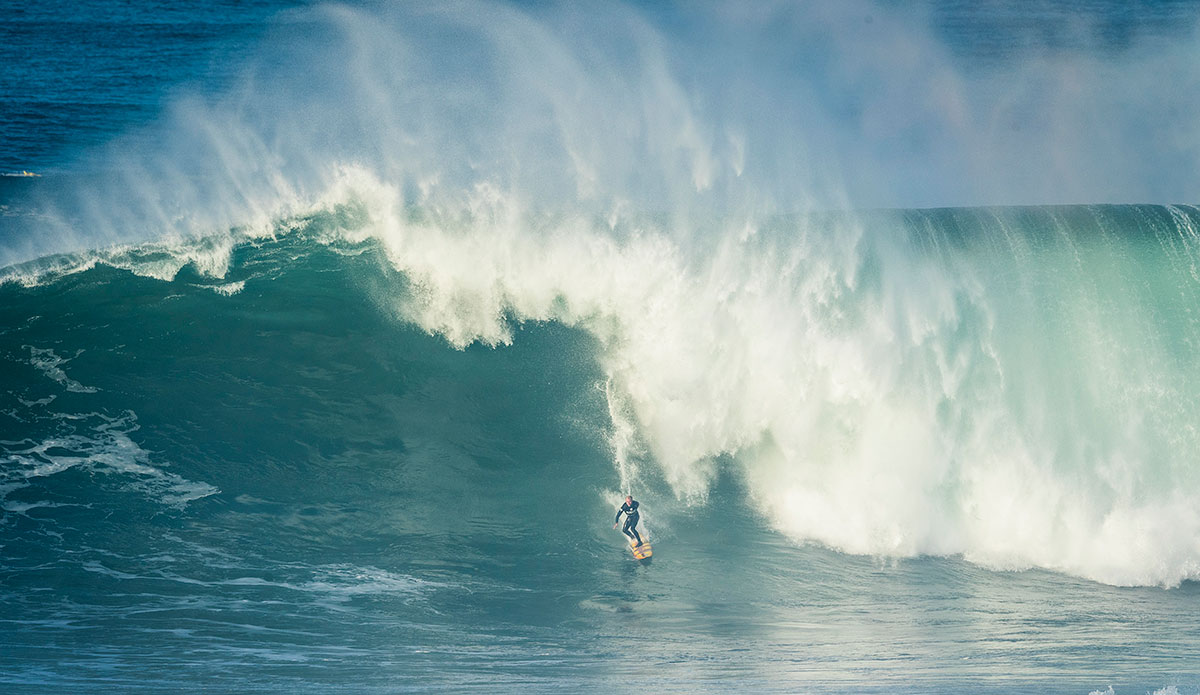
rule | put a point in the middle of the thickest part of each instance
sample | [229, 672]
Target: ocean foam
[99, 444]
[50, 364]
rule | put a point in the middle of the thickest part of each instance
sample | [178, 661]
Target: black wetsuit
[630, 509]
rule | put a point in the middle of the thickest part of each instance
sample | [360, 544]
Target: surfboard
[641, 552]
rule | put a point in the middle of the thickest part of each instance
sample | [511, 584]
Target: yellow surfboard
[641, 552]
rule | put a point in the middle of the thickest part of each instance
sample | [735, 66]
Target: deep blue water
[76, 74]
[332, 336]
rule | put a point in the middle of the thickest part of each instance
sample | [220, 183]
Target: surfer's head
[628, 498]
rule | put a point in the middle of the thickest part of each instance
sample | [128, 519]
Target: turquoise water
[328, 369]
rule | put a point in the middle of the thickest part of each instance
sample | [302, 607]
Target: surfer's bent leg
[630, 529]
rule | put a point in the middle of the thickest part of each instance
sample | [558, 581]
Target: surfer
[630, 510]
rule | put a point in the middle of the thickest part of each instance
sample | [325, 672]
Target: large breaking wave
[1017, 385]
